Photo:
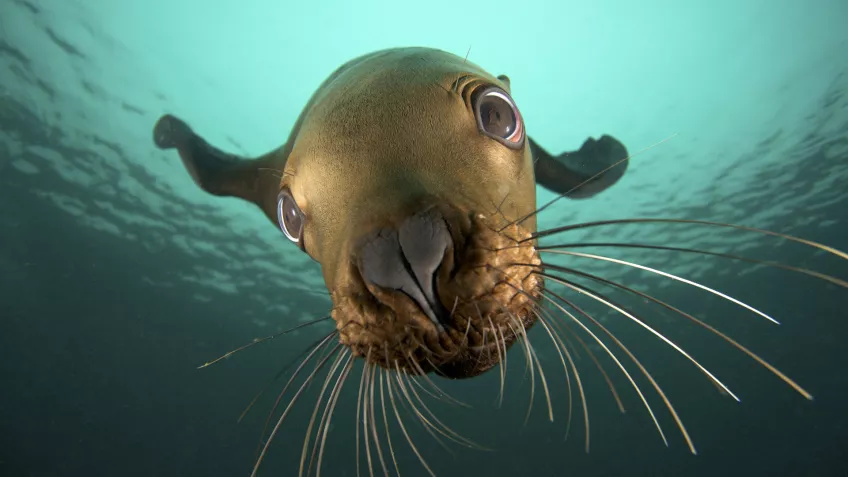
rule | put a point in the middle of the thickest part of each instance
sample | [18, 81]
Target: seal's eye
[498, 117]
[289, 216]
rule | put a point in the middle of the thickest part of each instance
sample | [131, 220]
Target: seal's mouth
[439, 293]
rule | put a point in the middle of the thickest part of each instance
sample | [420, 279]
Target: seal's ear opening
[583, 173]
[218, 173]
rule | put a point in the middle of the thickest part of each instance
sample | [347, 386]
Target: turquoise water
[120, 276]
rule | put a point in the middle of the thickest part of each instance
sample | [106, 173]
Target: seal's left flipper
[218, 172]
[565, 173]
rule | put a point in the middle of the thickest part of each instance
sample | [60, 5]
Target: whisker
[409, 406]
[577, 379]
[260, 340]
[448, 432]
[642, 368]
[288, 409]
[408, 358]
[294, 375]
[614, 358]
[565, 370]
[373, 420]
[386, 421]
[544, 383]
[697, 321]
[532, 354]
[812, 273]
[609, 352]
[436, 388]
[277, 376]
[334, 395]
[403, 429]
[528, 365]
[367, 377]
[791, 238]
[279, 174]
[365, 365]
[557, 198]
[667, 275]
[600, 367]
[501, 362]
[327, 380]
[585, 291]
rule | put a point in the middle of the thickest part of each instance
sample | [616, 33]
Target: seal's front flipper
[219, 173]
[565, 173]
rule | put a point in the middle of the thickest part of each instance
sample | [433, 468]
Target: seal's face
[406, 189]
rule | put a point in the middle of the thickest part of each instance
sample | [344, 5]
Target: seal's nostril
[407, 260]
[424, 238]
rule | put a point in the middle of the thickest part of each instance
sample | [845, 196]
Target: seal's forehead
[401, 68]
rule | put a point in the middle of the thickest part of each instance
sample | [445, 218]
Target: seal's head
[410, 178]
[406, 182]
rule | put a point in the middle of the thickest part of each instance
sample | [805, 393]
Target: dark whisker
[277, 376]
[566, 228]
[324, 342]
[260, 340]
[446, 431]
[410, 407]
[590, 179]
[804, 271]
[289, 408]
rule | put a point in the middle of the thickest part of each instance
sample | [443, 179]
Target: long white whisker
[667, 275]
[335, 397]
[373, 421]
[327, 380]
[577, 379]
[641, 367]
[403, 430]
[644, 325]
[385, 419]
[617, 362]
[528, 365]
[791, 238]
[288, 409]
[564, 368]
[691, 318]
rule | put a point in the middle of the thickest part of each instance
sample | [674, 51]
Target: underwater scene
[282, 238]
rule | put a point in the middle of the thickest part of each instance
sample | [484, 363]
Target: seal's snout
[406, 259]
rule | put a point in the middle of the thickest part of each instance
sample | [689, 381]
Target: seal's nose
[407, 259]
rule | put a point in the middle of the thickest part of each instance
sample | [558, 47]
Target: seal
[398, 178]
[410, 178]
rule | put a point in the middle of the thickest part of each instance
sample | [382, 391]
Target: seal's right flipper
[574, 173]
[219, 173]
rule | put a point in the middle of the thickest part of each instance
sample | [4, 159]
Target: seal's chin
[456, 315]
